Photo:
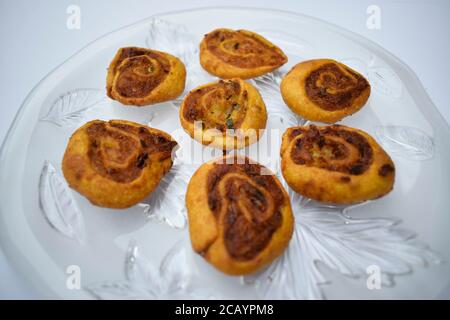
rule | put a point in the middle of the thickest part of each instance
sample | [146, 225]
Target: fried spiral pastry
[239, 219]
[116, 164]
[140, 77]
[335, 164]
[241, 54]
[228, 114]
[324, 90]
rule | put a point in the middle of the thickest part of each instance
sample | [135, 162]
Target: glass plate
[394, 247]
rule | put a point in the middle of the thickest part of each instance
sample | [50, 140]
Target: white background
[34, 39]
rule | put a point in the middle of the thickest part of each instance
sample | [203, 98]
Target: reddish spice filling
[221, 106]
[348, 87]
[249, 218]
[386, 169]
[242, 50]
[120, 151]
[140, 71]
[316, 148]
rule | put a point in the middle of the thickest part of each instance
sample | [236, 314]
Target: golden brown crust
[239, 219]
[335, 164]
[116, 164]
[241, 54]
[324, 90]
[228, 114]
[139, 76]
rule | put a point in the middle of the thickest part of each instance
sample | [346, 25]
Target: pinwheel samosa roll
[240, 216]
[241, 54]
[117, 163]
[335, 164]
[228, 114]
[139, 76]
[324, 90]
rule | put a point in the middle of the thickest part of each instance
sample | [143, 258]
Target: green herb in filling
[229, 123]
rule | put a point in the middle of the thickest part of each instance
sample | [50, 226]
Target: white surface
[35, 39]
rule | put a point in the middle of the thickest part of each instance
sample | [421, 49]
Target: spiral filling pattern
[222, 105]
[331, 148]
[120, 152]
[242, 50]
[334, 87]
[139, 71]
[247, 205]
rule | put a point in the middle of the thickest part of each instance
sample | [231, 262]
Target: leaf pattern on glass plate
[269, 87]
[408, 142]
[58, 205]
[166, 203]
[329, 235]
[70, 108]
[382, 79]
[385, 81]
[176, 40]
[171, 280]
[148, 119]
